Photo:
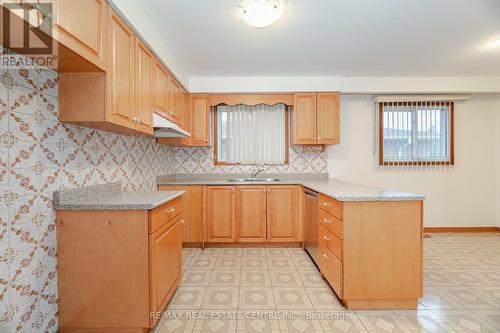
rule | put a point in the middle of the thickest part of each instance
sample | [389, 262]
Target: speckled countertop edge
[335, 188]
[111, 197]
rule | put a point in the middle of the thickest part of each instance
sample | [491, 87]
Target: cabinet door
[192, 208]
[120, 75]
[81, 26]
[176, 96]
[328, 121]
[251, 213]
[200, 115]
[282, 213]
[161, 89]
[304, 119]
[166, 263]
[144, 88]
[185, 117]
[220, 221]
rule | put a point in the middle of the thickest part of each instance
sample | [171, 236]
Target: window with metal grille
[416, 133]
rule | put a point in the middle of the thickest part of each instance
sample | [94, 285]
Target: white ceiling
[333, 37]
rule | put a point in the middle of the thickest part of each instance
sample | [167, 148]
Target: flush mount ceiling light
[496, 42]
[261, 13]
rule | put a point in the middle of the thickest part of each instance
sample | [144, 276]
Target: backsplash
[39, 155]
[200, 160]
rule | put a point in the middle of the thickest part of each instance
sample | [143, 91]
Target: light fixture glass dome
[261, 13]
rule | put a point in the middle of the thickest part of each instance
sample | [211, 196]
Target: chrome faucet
[255, 173]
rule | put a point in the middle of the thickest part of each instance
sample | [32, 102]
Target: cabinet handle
[171, 210]
[327, 238]
[327, 204]
[327, 257]
[327, 221]
[181, 221]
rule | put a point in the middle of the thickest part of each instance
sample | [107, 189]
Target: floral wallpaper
[38, 155]
[200, 160]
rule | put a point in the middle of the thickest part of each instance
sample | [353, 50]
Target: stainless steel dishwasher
[311, 224]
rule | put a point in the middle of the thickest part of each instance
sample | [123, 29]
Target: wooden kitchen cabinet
[315, 119]
[282, 213]
[175, 100]
[251, 213]
[120, 75]
[220, 220]
[144, 98]
[304, 119]
[199, 119]
[115, 268]
[161, 90]
[82, 27]
[166, 263]
[192, 206]
[371, 252]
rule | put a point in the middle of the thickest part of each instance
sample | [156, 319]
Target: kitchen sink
[250, 179]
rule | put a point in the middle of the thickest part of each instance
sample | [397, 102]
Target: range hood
[164, 128]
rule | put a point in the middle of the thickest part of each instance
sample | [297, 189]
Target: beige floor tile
[291, 298]
[323, 298]
[187, 298]
[422, 321]
[382, 321]
[228, 263]
[254, 263]
[174, 322]
[280, 263]
[256, 298]
[312, 279]
[215, 325]
[196, 278]
[285, 278]
[254, 252]
[203, 263]
[229, 278]
[209, 251]
[340, 322]
[223, 298]
[492, 317]
[255, 278]
[277, 252]
[304, 264]
[300, 325]
[231, 252]
[189, 252]
[258, 326]
[465, 321]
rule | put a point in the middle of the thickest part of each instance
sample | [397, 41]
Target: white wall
[462, 195]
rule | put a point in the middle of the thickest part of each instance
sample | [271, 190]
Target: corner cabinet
[117, 270]
[315, 119]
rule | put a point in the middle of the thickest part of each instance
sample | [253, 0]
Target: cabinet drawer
[331, 267]
[331, 223]
[332, 242]
[330, 205]
[163, 214]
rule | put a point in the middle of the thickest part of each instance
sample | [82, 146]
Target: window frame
[449, 162]
[216, 138]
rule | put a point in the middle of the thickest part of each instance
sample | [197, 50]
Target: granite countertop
[111, 197]
[335, 188]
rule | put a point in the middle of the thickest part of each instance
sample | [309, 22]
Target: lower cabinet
[166, 263]
[220, 222]
[117, 268]
[252, 213]
[282, 213]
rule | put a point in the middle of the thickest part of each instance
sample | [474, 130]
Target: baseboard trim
[461, 229]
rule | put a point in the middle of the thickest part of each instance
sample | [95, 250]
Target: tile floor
[279, 290]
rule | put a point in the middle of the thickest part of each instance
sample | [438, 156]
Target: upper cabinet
[81, 26]
[120, 76]
[144, 98]
[315, 119]
[134, 84]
